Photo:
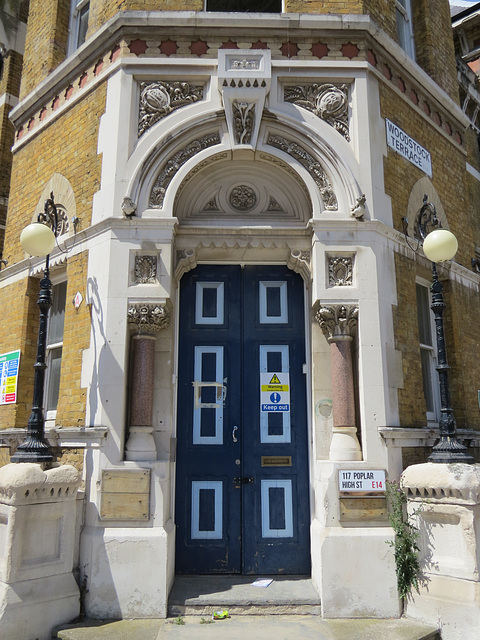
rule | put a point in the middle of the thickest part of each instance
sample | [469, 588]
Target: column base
[140, 444]
[345, 444]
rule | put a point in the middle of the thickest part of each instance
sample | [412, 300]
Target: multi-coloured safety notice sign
[274, 392]
[8, 376]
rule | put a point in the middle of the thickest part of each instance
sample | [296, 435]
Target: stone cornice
[134, 24]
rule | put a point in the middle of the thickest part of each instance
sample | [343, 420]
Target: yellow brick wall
[76, 338]
[67, 146]
[434, 43]
[19, 330]
[46, 42]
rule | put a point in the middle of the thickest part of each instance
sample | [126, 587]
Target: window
[244, 6]
[78, 23]
[428, 353]
[54, 348]
[404, 26]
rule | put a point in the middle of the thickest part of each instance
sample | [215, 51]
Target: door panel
[242, 496]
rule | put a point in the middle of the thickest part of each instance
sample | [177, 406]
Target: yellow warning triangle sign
[275, 379]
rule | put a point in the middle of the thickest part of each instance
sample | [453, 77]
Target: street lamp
[38, 239]
[440, 245]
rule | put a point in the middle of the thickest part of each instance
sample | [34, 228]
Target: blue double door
[242, 483]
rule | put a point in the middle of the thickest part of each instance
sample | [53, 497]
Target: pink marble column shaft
[343, 398]
[141, 410]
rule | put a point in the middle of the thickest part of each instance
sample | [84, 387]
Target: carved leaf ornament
[337, 321]
[329, 102]
[158, 99]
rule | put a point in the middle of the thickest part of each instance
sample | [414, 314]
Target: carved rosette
[157, 195]
[145, 269]
[158, 99]
[337, 321]
[313, 167]
[340, 271]
[243, 198]
[243, 119]
[329, 102]
[148, 317]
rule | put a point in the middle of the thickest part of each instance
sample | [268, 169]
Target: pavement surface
[248, 627]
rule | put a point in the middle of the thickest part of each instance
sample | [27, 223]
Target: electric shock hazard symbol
[274, 392]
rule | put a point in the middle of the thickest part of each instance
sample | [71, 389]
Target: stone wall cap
[452, 483]
[28, 483]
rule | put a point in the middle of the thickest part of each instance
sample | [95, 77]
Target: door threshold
[201, 595]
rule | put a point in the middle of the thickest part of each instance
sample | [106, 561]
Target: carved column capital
[149, 317]
[337, 321]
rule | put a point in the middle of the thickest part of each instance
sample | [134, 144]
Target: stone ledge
[27, 483]
[450, 483]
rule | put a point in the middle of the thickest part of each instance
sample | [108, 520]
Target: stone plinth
[446, 501]
[37, 540]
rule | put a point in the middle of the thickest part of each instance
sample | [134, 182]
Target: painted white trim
[262, 294]
[472, 171]
[267, 531]
[217, 487]
[220, 303]
[198, 384]
[9, 99]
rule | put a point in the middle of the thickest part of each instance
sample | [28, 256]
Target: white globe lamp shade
[37, 239]
[440, 245]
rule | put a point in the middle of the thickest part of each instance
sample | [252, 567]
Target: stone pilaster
[338, 322]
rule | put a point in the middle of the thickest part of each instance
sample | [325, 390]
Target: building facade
[239, 319]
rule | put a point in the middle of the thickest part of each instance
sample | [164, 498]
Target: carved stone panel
[145, 269]
[329, 102]
[158, 99]
[148, 317]
[340, 271]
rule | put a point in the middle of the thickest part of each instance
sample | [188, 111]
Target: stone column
[444, 502]
[146, 319]
[338, 322]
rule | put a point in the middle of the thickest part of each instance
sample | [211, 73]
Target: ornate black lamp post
[38, 239]
[441, 245]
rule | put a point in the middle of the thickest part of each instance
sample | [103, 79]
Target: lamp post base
[450, 451]
[32, 451]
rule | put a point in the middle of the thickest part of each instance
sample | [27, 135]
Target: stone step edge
[175, 610]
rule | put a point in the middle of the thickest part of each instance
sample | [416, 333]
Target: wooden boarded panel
[125, 494]
[363, 509]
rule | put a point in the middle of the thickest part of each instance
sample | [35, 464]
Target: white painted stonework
[37, 542]
[446, 501]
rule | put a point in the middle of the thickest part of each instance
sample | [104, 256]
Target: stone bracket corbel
[244, 78]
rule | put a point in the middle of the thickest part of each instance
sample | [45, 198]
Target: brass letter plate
[125, 494]
[276, 461]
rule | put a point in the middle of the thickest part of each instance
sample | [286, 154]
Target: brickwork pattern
[76, 338]
[19, 330]
[52, 150]
[434, 43]
[411, 401]
[46, 42]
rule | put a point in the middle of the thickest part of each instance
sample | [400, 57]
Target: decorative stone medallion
[243, 198]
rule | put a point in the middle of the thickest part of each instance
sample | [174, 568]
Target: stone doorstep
[264, 609]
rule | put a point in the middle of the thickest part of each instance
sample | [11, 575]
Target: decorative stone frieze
[337, 321]
[313, 167]
[159, 99]
[148, 317]
[329, 102]
[145, 269]
[340, 271]
[157, 195]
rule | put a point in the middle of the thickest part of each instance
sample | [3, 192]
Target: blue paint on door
[253, 518]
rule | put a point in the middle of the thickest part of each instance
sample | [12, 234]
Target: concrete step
[285, 595]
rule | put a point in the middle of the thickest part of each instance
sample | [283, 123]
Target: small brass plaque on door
[276, 461]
